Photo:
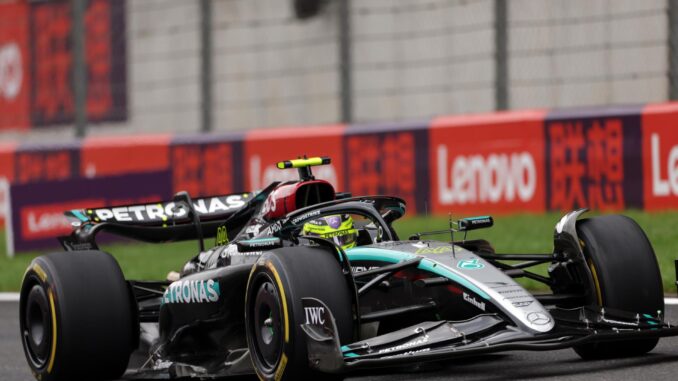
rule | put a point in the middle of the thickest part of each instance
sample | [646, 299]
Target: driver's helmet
[338, 228]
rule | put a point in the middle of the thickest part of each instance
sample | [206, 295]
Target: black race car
[274, 298]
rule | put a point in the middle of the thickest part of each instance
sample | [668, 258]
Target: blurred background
[523, 108]
[148, 66]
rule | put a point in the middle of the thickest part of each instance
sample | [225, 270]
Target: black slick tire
[274, 312]
[77, 317]
[626, 276]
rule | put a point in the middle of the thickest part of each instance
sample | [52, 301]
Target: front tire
[625, 276]
[76, 317]
[274, 312]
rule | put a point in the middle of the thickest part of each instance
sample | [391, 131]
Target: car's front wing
[487, 333]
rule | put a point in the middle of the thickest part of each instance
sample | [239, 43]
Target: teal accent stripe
[345, 348]
[261, 240]
[79, 215]
[392, 256]
[351, 355]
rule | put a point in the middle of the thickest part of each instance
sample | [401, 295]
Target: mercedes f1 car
[303, 280]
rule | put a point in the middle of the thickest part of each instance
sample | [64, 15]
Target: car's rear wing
[168, 221]
[162, 214]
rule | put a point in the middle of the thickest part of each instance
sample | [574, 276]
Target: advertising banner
[6, 178]
[52, 100]
[205, 165]
[264, 148]
[37, 208]
[41, 162]
[388, 159]
[593, 159]
[660, 156]
[15, 57]
[111, 156]
[487, 163]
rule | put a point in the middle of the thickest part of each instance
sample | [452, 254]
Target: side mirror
[473, 223]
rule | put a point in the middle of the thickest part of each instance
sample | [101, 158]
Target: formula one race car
[302, 280]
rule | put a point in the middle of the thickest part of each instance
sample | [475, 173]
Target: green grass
[526, 233]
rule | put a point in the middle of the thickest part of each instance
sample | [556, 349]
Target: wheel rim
[36, 326]
[267, 325]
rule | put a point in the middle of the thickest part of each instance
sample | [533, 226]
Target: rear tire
[625, 275]
[77, 320]
[274, 312]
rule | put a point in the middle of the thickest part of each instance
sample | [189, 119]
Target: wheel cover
[267, 327]
[36, 327]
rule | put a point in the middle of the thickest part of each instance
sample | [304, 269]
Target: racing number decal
[222, 236]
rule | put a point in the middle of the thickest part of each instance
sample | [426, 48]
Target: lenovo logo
[492, 178]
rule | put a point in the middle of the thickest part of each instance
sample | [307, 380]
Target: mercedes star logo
[538, 318]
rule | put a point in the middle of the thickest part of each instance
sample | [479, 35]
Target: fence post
[501, 94]
[206, 64]
[345, 61]
[79, 68]
[673, 49]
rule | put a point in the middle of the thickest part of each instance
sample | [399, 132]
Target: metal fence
[88, 67]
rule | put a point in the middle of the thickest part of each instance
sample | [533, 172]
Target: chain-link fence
[154, 66]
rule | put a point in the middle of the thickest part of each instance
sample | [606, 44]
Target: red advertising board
[202, 169]
[487, 163]
[264, 148]
[48, 220]
[15, 79]
[37, 207]
[6, 177]
[660, 156]
[108, 156]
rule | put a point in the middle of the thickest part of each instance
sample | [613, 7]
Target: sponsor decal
[492, 179]
[359, 269]
[538, 318]
[586, 160]
[385, 163]
[409, 353]
[664, 184]
[470, 264]
[48, 220]
[161, 212]
[522, 304]
[472, 300]
[305, 216]
[203, 169]
[315, 315]
[192, 291]
[660, 157]
[505, 172]
[414, 343]
[434, 250]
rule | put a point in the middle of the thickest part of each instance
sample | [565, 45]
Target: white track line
[9, 296]
[14, 297]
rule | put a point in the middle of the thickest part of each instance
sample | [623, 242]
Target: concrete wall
[587, 52]
[412, 60]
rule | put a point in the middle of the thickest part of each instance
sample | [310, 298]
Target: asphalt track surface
[660, 364]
